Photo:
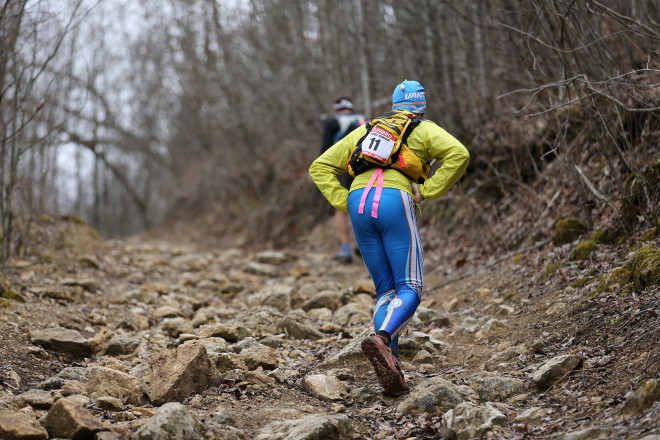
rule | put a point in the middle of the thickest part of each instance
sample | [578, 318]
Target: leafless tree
[32, 35]
[190, 108]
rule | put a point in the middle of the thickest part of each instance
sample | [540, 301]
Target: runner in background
[342, 123]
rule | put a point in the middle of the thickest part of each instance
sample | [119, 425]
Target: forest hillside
[204, 116]
[167, 266]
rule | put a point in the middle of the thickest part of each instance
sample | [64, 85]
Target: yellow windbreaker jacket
[427, 140]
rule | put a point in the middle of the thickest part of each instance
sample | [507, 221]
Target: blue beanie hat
[409, 95]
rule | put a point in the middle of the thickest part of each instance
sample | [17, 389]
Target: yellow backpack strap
[399, 138]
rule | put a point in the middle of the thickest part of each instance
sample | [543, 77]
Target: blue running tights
[392, 252]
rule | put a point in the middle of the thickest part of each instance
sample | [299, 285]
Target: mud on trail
[282, 330]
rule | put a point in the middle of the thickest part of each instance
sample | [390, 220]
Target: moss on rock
[7, 292]
[620, 276]
[642, 398]
[650, 177]
[582, 282]
[609, 236]
[645, 266]
[583, 250]
[652, 174]
[640, 272]
[567, 229]
[635, 186]
[651, 234]
[603, 236]
[550, 270]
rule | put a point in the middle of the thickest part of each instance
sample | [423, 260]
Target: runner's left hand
[416, 195]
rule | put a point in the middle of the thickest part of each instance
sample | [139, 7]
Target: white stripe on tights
[415, 258]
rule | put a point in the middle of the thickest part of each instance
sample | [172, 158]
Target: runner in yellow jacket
[387, 234]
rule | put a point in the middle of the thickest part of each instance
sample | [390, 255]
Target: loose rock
[37, 399]
[68, 419]
[555, 369]
[642, 398]
[325, 387]
[299, 327]
[492, 387]
[105, 381]
[175, 375]
[171, 422]
[467, 421]
[312, 427]
[433, 396]
[122, 345]
[62, 339]
[260, 356]
[17, 425]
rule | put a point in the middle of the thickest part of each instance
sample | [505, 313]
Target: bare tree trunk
[429, 41]
[479, 53]
[49, 195]
[28, 48]
[80, 182]
[328, 36]
[11, 20]
[96, 218]
[364, 67]
[447, 66]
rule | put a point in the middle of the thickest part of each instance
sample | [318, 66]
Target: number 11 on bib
[378, 144]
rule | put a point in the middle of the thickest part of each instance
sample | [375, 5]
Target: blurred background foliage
[201, 117]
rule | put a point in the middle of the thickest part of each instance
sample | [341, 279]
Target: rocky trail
[144, 339]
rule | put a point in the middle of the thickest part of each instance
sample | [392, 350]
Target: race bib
[378, 144]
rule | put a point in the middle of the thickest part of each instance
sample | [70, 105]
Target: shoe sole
[388, 378]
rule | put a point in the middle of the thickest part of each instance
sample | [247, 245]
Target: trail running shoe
[341, 258]
[387, 368]
[344, 254]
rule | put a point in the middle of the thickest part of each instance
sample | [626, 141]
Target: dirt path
[505, 319]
